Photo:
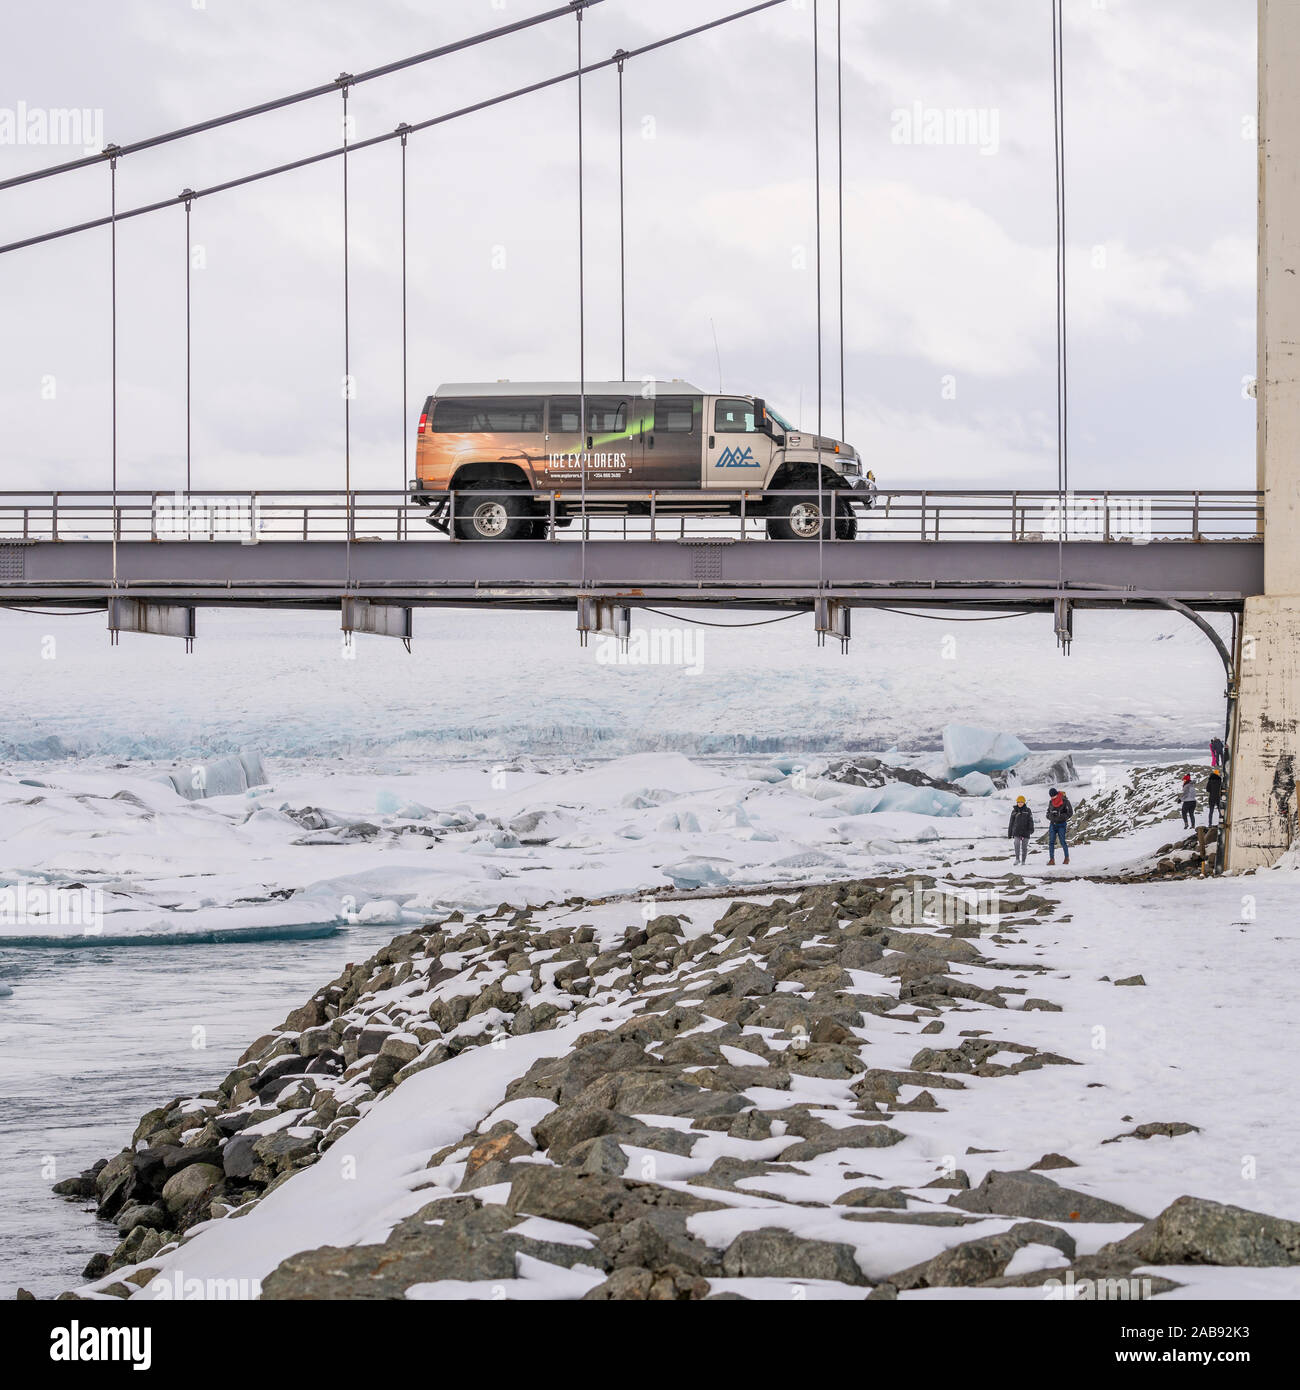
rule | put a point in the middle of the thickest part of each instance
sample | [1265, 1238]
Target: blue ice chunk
[969, 749]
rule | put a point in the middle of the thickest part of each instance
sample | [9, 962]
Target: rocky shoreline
[742, 1033]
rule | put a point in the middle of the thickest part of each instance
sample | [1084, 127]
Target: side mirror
[763, 422]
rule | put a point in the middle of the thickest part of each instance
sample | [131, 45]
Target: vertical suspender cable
[1062, 397]
[189, 256]
[406, 471]
[112, 184]
[839, 164]
[582, 318]
[347, 350]
[622, 234]
[817, 193]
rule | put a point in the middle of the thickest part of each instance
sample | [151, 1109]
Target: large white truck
[525, 447]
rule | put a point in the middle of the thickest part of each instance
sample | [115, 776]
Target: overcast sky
[949, 262]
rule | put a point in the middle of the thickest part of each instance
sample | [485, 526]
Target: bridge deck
[1205, 574]
[290, 549]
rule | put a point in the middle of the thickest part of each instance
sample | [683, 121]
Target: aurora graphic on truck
[491, 460]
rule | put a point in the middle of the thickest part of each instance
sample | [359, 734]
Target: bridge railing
[938, 515]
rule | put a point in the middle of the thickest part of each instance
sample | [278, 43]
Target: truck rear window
[488, 415]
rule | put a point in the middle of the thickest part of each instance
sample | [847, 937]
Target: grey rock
[151, 1217]
[1038, 1198]
[599, 1155]
[1193, 1230]
[775, 1254]
[892, 1197]
[976, 1261]
[189, 1184]
[851, 1137]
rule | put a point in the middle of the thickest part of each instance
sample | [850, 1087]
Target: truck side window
[733, 417]
[495, 415]
[674, 415]
[564, 415]
[606, 415]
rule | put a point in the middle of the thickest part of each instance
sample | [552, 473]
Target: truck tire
[799, 518]
[846, 521]
[499, 516]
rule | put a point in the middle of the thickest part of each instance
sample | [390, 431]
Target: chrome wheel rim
[805, 519]
[490, 518]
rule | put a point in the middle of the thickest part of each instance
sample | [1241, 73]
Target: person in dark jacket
[1189, 803]
[1214, 795]
[1216, 752]
[1020, 828]
[1059, 812]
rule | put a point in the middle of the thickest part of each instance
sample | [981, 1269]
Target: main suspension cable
[308, 160]
[280, 102]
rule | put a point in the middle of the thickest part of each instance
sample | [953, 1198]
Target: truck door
[612, 441]
[672, 442]
[736, 454]
[607, 448]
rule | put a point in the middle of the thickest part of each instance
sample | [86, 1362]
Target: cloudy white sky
[949, 265]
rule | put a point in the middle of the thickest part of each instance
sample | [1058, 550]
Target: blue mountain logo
[733, 458]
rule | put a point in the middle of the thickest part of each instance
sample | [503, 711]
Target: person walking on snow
[1059, 812]
[1020, 828]
[1189, 803]
[1214, 795]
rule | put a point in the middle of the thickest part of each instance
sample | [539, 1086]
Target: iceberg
[223, 777]
[968, 749]
[921, 801]
[976, 784]
[696, 873]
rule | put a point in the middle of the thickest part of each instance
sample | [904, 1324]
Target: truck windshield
[782, 421]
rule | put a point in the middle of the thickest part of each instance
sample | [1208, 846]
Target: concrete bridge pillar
[1262, 785]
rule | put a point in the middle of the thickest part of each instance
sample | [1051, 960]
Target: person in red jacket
[1059, 812]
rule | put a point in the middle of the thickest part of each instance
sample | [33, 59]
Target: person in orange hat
[1020, 828]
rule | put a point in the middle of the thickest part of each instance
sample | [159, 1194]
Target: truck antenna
[717, 353]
